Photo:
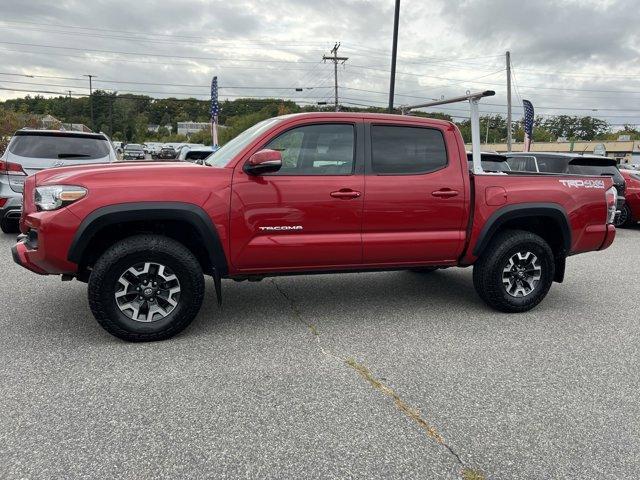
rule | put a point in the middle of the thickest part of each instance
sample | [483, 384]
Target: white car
[30, 151]
[195, 155]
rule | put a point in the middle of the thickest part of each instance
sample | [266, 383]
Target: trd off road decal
[583, 183]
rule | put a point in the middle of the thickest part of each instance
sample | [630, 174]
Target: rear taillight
[3, 201]
[611, 197]
[9, 168]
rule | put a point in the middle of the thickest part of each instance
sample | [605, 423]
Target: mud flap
[217, 282]
[561, 264]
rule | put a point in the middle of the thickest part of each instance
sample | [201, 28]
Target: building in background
[76, 127]
[152, 128]
[623, 150]
[187, 128]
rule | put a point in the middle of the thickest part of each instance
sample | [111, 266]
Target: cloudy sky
[569, 56]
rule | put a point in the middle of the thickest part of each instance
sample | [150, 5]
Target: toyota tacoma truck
[305, 193]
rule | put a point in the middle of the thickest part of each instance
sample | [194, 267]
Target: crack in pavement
[412, 413]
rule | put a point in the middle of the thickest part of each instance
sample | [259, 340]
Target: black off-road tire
[488, 270]
[8, 225]
[103, 284]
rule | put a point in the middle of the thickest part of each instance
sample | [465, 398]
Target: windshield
[133, 146]
[59, 146]
[596, 170]
[492, 166]
[226, 153]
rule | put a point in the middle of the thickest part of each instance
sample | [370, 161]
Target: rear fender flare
[500, 217]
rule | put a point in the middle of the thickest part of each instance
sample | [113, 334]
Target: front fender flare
[155, 211]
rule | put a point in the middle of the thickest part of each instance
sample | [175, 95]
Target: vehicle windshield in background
[59, 146]
[491, 163]
[197, 155]
[133, 146]
[605, 170]
[225, 154]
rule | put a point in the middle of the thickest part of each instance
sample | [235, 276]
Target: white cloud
[444, 46]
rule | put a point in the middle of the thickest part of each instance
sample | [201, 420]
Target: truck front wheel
[146, 288]
[515, 271]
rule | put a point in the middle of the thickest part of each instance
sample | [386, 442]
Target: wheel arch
[184, 222]
[548, 220]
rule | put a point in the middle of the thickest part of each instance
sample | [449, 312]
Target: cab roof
[367, 116]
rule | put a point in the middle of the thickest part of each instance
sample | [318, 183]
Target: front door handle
[445, 193]
[345, 194]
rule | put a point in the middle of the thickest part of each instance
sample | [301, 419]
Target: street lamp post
[394, 53]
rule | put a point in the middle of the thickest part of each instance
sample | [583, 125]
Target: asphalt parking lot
[379, 375]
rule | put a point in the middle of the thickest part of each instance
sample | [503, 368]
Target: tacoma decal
[278, 228]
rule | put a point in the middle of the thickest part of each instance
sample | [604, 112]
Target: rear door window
[59, 146]
[400, 150]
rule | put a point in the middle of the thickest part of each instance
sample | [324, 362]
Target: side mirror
[264, 161]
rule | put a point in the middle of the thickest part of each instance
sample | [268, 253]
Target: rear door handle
[445, 193]
[345, 193]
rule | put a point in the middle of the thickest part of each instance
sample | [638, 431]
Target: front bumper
[44, 245]
[20, 251]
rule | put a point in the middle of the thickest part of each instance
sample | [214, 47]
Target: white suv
[30, 151]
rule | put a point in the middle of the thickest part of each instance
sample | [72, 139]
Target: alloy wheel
[521, 274]
[147, 292]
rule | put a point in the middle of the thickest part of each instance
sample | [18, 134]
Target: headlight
[52, 197]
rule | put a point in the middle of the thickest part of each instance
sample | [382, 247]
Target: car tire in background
[8, 225]
[515, 272]
[625, 219]
[146, 288]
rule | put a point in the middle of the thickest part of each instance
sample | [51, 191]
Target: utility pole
[394, 54]
[508, 58]
[335, 59]
[93, 128]
[69, 106]
[113, 96]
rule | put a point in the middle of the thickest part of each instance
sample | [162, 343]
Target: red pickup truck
[305, 193]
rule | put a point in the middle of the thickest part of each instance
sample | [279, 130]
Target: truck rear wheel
[146, 288]
[515, 272]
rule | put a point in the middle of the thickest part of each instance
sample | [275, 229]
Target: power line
[155, 40]
[160, 55]
[151, 62]
[245, 87]
[153, 34]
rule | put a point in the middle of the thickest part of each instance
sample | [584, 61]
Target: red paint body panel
[632, 193]
[584, 207]
[396, 220]
[404, 223]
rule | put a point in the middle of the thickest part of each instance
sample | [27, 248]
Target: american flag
[528, 124]
[215, 109]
